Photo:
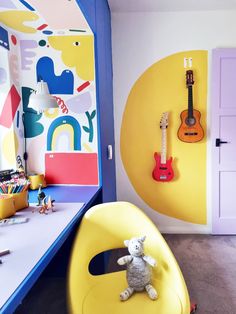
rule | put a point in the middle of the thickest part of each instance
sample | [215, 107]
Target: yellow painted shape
[87, 148]
[51, 113]
[78, 52]
[162, 87]
[10, 146]
[63, 128]
[15, 19]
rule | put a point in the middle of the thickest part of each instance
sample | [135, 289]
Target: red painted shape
[83, 86]
[162, 172]
[71, 168]
[10, 107]
[61, 104]
[41, 27]
[13, 39]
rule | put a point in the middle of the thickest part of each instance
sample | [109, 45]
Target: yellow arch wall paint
[162, 87]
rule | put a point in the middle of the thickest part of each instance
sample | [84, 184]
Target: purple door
[223, 134]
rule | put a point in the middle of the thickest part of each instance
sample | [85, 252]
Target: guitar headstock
[164, 120]
[189, 78]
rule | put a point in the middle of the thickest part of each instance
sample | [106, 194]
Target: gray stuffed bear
[138, 269]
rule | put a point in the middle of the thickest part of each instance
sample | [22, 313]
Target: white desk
[32, 244]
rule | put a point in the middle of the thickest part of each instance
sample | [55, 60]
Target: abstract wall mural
[35, 45]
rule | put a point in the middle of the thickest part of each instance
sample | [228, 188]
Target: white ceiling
[170, 5]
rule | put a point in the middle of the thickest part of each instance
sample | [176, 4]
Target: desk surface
[34, 243]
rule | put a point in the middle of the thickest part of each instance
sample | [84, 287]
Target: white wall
[141, 39]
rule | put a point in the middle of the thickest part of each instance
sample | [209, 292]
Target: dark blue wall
[97, 13]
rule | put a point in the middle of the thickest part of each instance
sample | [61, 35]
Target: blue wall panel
[97, 13]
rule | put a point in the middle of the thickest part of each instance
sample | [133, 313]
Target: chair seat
[103, 298]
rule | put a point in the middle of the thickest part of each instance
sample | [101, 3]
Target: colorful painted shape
[80, 103]
[48, 32]
[27, 55]
[3, 76]
[14, 40]
[76, 52]
[10, 107]
[41, 27]
[7, 4]
[4, 41]
[83, 86]
[69, 121]
[57, 84]
[71, 168]
[42, 43]
[32, 126]
[63, 138]
[27, 5]
[90, 129]
[10, 147]
[15, 19]
[14, 69]
[183, 198]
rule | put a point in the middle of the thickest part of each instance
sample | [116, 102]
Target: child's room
[117, 157]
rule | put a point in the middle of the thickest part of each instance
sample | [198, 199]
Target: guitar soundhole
[190, 121]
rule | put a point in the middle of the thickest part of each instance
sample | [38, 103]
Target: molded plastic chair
[105, 227]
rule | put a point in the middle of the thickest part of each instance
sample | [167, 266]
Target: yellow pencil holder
[20, 200]
[36, 180]
[7, 207]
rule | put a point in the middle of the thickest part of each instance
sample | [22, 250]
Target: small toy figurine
[47, 205]
[138, 269]
[41, 195]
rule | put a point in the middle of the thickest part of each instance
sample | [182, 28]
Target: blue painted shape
[65, 120]
[32, 127]
[62, 84]
[27, 5]
[4, 41]
[18, 119]
[97, 14]
[47, 32]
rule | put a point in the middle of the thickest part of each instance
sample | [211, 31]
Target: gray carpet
[208, 264]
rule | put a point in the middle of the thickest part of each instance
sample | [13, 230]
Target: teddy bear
[138, 272]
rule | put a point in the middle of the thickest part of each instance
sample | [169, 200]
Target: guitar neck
[190, 101]
[163, 146]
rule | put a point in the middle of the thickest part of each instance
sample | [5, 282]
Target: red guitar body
[162, 172]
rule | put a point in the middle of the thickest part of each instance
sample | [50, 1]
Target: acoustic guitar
[163, 171]
[190, 130]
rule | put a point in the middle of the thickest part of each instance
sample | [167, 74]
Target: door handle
[219, 142]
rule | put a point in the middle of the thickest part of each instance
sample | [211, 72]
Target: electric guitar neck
[163, 171]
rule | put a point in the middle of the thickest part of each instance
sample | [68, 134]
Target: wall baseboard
[186, 230]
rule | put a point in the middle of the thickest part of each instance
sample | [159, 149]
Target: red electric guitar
[163, 171]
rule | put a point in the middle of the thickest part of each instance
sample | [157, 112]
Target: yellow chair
[105, 227]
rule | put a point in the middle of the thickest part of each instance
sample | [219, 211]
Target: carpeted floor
[208, 264]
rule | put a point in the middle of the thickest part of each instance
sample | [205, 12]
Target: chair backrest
[105, 227]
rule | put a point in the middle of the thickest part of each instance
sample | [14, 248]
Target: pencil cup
[36, 180]
[7, 207]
